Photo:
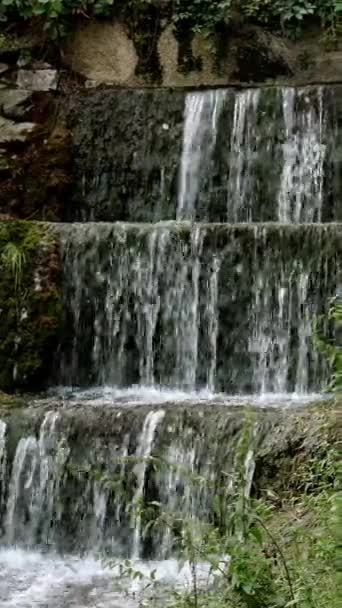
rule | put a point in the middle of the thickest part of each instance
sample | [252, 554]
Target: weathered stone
[11, 131]
[13, 102]
[201, 62]
[103, 53]
[37, 80]
[109, 52]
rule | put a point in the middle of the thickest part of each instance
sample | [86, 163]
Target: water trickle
[187, 329]
[300, 197]
[21, 496]
[34, 487]
[249, 464]
[213, 321]
[243, 151]
[281, 315]
[143, 452]
[3, 462]
[304, 336]
[202, 112]
[100, 499]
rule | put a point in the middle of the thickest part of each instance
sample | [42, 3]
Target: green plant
[30, 309]
[199, 15]
[13, 259]
[202, 15]
[330, 345]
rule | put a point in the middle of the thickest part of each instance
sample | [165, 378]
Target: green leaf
[256, 532]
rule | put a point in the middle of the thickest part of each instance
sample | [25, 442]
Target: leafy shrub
[202, 15]
[331, 346]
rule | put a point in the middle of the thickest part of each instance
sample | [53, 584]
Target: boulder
[37, 80]
[103, 53]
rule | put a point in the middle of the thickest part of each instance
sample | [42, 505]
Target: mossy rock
[30, 304]
[10, 402]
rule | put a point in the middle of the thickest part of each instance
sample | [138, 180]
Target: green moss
[30, 305]
[9, 402]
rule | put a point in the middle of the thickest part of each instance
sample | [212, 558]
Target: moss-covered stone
[30, 305]
[10, 402]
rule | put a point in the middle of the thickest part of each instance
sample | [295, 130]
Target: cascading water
[202, 111]
[169, 305]
[243, 153]
[300, 196]
[285, 299]
[176, 319]
[146, 325]
[57, 499]
[34, 485]
[143, 452]
[262, 154]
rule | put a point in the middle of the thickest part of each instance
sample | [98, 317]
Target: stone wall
[107, 53]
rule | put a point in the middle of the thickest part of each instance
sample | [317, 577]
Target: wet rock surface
[257, 155]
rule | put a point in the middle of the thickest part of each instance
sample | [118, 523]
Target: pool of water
[32, 579]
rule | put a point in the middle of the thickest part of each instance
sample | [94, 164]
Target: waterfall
[202, 112]
[254, 155]
[169, 305]
[64, 489]
[243, 151]
[285, 300]
[188, 325]
[213, 322]
[300, 196]
[221, 247]
[20, 489]
[34, 486]
[134, 293]
[143, 452]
